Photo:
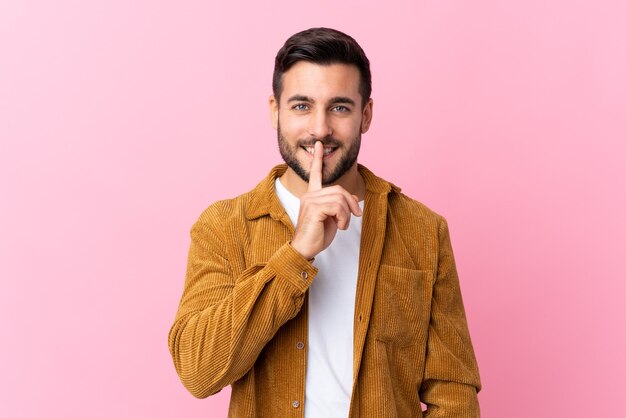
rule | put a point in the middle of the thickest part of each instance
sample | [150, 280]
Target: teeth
[311, 150]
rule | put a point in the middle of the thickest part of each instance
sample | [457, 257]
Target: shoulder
[259, 201]
[414, 220]
[400, 206]
[411, 209]
[224, 210]
[220, 220]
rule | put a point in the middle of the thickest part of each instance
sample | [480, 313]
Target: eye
[300, 106]
[340, 109]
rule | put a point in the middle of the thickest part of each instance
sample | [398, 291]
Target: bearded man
[324, 291]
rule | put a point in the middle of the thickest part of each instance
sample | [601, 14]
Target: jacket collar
[264, 201]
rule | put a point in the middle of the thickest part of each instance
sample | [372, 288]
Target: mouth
[327, 150]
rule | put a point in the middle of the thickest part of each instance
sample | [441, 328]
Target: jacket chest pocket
[401, 310]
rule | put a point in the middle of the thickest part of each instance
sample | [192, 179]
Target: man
[324, 291]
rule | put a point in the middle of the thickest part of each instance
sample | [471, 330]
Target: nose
[319, 124]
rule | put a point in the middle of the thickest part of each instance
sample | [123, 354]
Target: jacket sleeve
[451, 379]
[224, 320]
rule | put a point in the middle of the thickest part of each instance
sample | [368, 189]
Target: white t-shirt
[330, 318]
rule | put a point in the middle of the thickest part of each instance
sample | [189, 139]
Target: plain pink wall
[121, 121]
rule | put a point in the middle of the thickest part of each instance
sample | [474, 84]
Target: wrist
[303, 252]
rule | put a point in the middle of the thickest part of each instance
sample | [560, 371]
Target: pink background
[121, 121]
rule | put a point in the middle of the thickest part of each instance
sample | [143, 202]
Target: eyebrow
[334, 100]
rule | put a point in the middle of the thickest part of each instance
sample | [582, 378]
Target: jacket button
[295, 404]
[299, 345]
[304, 275]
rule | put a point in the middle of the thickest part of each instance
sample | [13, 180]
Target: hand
[322, 211]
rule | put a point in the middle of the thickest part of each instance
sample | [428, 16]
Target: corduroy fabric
[243, 310]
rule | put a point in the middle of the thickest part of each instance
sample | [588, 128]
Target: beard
[346, 160]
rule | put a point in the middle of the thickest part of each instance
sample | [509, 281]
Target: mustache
[327, 141]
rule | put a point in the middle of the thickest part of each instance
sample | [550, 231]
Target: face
[320, 102]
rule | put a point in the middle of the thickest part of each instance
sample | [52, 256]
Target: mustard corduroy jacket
[242, 319]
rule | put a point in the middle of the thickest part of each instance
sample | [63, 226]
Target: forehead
[321, 82]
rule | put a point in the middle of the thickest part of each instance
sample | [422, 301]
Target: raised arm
[225, 320]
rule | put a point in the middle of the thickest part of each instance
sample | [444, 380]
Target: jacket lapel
[372, 240]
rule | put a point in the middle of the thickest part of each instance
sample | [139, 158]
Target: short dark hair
[322, 46]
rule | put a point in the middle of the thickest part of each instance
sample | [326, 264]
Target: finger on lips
[351, 201]
[315, 176]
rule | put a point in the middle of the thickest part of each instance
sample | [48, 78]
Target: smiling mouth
[327, 150]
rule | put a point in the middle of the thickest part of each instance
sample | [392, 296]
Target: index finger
[315, 176]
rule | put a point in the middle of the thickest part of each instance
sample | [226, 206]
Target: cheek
[293, 126]
[347, 129]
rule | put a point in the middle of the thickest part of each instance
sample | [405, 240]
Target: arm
[451, 379]
[223, 322]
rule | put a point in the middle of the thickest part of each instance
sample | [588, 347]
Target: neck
[351, 181]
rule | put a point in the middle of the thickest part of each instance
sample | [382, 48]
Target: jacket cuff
[292, 267]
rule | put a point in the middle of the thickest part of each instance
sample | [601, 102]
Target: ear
[368, 112]
[274, 111]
